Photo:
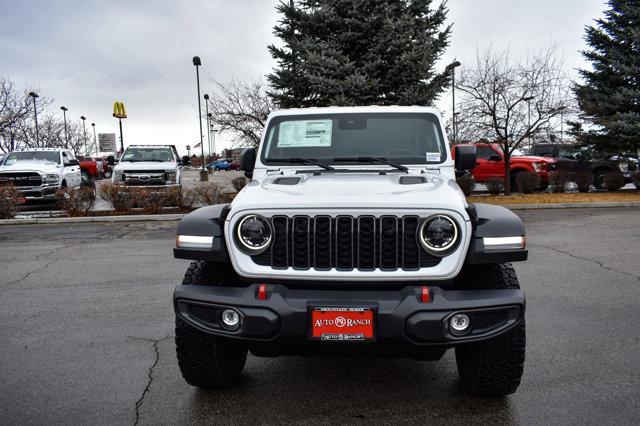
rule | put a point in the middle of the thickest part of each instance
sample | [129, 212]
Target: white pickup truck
[40, 172]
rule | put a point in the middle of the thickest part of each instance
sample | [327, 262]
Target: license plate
[342, 324]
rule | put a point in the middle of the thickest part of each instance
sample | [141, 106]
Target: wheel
[493, 367]
[206, 361]
[514, 182]
[600, 180]
[543, 186]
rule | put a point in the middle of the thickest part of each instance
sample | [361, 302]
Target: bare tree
[242, 108]
[514, 101]
[15, 108]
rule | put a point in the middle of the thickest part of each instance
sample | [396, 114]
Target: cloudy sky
[86, 54]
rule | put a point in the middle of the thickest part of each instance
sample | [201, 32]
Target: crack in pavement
[597, 262]
[29, 273]
[42, 256]
[150, 374]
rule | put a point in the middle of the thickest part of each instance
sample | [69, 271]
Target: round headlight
[438, 235]
[254, 233]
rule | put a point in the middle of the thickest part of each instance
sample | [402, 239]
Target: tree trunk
[507, 172]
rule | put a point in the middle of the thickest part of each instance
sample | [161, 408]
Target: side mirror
[73, 163]
[248, 161]
[111, 160]
[465, 157]
[186, 161]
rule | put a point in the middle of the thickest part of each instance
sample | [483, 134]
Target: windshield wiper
[373, 160]
[303, 161]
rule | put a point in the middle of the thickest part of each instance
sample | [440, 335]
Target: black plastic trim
[206, 221]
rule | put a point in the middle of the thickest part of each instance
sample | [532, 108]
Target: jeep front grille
[345, 243]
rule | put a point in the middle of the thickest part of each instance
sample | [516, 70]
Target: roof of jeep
[355, 109]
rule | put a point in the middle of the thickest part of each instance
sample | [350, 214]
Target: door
[488, 163]
[71, 173]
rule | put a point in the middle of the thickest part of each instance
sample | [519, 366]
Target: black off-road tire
[206, 361]
[494, 367]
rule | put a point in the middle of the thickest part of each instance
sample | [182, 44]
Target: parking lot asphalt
[86, 336]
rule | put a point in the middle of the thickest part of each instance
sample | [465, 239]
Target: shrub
[9, 199]
[584, 180]
[209, 193]
[121, 197]
[466, 183]
[636, 179]
[527, 182]
[614, 181]
[76, 202]
[151, 201]
[182, 197]
[559, 181]
[495, 185]
[239, 183]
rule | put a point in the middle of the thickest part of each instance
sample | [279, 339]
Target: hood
[532, 159]
[350, 191]
[145, 165]
[31, 166]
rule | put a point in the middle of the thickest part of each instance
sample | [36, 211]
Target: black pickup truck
[574, 160]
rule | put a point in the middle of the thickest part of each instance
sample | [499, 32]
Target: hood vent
[286, 181]
[412, 180]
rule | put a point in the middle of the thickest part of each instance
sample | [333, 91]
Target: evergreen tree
[609, 99]
[359, 52]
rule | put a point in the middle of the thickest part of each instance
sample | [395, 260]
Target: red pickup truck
[89, 168]
[490, 163]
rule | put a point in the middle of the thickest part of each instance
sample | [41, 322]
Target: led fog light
[230, 319]
[459, 324]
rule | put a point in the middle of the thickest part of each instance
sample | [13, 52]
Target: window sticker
[433, 156]
[295, 134]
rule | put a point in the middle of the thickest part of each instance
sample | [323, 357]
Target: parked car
[89, 167]
[490, 163]
[156, 166]
[362, 244]
[219, 165]
[235, 165]
[572, 159]
[39, 172]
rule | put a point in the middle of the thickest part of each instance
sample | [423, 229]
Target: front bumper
[44, 192]
[281, 322]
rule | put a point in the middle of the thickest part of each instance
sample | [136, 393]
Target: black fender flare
[491, 221]
[204, 222]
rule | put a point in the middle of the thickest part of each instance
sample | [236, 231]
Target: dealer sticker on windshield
[433, 156]
[293, 134]
[342, 323]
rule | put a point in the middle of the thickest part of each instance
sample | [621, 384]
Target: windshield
[147, 154]
[410, 138]
[50, 157]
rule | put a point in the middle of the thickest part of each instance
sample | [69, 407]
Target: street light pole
[561, 126]
[84, 132]
[34, 95]
[206, 107]
[455, 65]
[66, 136]
[95, 142]
[203, 173]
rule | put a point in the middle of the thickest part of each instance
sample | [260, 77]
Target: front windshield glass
[50, 157]
[567, 152]
[410, 138]
[134, 154]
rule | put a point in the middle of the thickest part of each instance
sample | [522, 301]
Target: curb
[89, 219]
[178, 216]
[571, 205]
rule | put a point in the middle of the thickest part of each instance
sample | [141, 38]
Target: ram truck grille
[21, 179]
[345, 243]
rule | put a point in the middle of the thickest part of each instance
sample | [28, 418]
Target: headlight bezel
[171, 175]
[439, 251]
[52, 178]
[247, 248]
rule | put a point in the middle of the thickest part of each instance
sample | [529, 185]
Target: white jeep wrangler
[39, 172]
[352, 238]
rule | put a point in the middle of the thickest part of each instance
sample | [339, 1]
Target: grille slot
[345, 243]
[481, 321]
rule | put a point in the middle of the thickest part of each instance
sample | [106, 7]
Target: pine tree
[359, 52]
[609, 99]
